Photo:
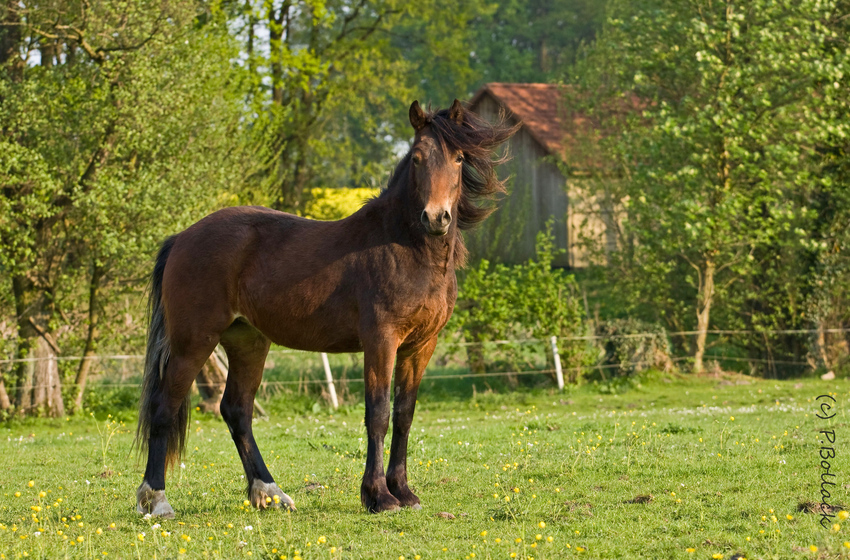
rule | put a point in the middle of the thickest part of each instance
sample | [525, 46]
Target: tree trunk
[38, 384]
[10, 39]
[25, 304]
[544, 56]
[475, 358]
[48, 52]
[5, 403]
[295, 192]
[211, 382]
[41, 389]
[252, 24]
[23, 375]
[91, 338]
[820, 346]
[276, 33]
[705, 298]
[46, 385]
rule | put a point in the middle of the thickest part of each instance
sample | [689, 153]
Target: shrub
[518, 303]
[335, 204]
[628, 346]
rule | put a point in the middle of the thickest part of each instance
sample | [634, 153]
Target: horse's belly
[319, 344]
[314, 334]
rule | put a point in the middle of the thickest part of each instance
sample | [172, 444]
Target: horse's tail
[156, 359]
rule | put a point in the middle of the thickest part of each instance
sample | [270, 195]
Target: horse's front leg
[378, 362]
[410, 366]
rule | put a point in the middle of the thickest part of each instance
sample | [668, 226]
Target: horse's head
[436, 171]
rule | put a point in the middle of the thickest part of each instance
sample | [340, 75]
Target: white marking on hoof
[264, 495]
[153, 502]
[416, 506]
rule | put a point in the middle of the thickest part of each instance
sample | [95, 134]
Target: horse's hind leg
[246, 349]
[168, 417]
[408, 374]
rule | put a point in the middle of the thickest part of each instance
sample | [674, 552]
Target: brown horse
[381, 281]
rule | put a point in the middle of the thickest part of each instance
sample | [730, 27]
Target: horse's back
[284, 274]
[213, 249]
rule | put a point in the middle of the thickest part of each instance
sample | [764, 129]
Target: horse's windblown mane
[478, 139]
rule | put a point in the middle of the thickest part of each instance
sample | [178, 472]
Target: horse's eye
[459, 158]
[416, 159]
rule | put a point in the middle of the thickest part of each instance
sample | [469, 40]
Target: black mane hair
[478, 139]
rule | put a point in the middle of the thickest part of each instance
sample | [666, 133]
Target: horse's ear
[456, 112]
[417, 116]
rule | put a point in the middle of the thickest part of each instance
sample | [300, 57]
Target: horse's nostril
[438, 223]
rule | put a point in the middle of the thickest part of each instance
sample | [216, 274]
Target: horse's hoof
[405, 497]
[269, 495]
[381, 503]
[153, 502]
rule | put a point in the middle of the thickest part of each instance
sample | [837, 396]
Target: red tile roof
[558, 121]
[538, 106]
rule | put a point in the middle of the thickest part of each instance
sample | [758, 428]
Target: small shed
[540, 189]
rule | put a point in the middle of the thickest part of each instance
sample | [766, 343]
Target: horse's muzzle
[438, 225]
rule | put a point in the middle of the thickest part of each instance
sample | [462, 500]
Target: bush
[628, 346]
[335, 204]
[518, 303]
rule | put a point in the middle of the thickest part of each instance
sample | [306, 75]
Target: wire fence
[453, 346]
[463, 344]
[470, 375]
[755, 360]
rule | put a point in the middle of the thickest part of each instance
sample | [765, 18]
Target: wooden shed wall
[593, 219]
[537, 193]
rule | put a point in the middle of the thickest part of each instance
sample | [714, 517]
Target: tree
[716, 166]
[332, 83]
[332, 79]
[828, 246]
[532, 40]
[118, 128]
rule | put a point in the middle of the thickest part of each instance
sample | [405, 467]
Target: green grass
[571, 463]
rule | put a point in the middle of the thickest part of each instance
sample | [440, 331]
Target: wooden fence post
[330, 379]
[559, 373]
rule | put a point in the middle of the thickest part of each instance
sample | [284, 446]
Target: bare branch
[695, 267]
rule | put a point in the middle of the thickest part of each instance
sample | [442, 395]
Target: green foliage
[528, 301]
[121, 402]
[335, 204]
[532, 40]
[725, 105]
[126, 131]
[332, 83]
[629, 346]
[22, 171]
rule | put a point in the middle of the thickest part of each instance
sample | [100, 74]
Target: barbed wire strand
[426, 377]
[758, 360]
[466, 344]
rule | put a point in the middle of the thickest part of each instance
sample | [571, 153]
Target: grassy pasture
[671, 467]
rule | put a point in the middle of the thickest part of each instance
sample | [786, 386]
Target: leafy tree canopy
[720, 161]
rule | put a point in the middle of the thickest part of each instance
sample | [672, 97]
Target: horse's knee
[378, 408]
